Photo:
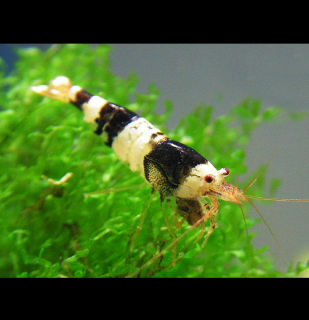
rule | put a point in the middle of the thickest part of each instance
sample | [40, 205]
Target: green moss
[54, 231]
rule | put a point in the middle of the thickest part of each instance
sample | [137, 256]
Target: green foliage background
[54, 231]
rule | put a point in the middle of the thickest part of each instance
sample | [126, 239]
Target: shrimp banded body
[170, 167]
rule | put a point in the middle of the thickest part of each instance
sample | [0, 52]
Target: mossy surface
[54, 231]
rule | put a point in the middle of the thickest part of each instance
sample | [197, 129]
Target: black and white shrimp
[170, 167]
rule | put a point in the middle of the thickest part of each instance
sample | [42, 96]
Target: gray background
[278, 74]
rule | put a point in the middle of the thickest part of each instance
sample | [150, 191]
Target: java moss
[55, 231]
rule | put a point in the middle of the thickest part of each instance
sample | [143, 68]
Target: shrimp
[170, 167]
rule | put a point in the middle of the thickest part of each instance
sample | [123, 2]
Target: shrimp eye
[209, 179]
[224, 172]
[227, 172]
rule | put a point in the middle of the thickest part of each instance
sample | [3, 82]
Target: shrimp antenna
[268, 227]
[268, 199]
[247, 232]
[254, 179]
[277, 199]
